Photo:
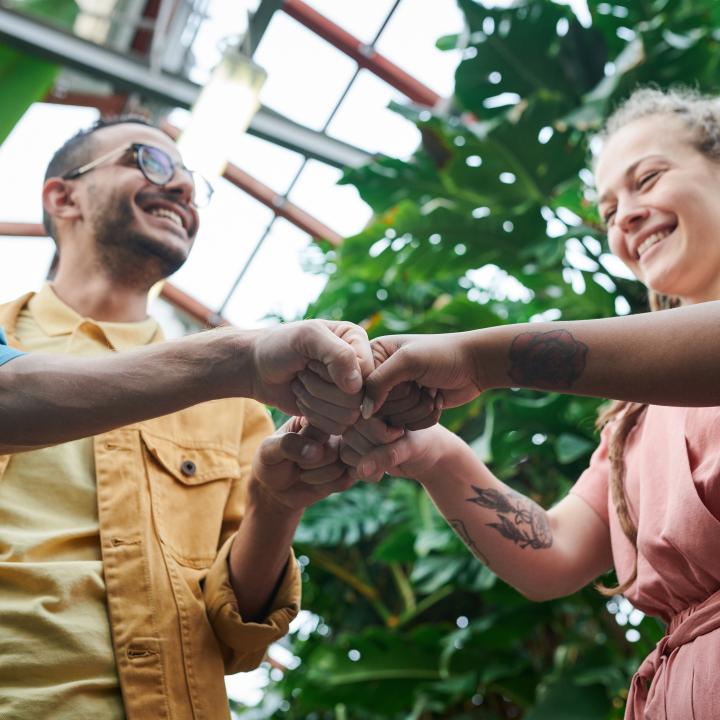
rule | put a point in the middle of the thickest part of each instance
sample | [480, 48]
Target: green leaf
[25, 78]
[564, 699]
[434, 572]
[398, 546]
[570, 447]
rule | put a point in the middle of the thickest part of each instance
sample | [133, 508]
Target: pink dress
[672, 483]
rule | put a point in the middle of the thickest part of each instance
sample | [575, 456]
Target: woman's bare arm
[664, 358]
[544, 554]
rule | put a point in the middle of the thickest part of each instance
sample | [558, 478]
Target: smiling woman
[649, 503]
[658, 177]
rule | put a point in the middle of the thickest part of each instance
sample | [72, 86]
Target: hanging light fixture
[223, 110]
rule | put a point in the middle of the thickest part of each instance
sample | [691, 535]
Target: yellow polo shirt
[56, 653]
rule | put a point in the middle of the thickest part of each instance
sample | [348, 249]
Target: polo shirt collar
[57, 318]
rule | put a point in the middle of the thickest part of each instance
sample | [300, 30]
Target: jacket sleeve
[244, 644]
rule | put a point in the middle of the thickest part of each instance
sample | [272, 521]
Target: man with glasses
[130, 586]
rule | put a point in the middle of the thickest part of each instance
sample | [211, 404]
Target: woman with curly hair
[649, 503]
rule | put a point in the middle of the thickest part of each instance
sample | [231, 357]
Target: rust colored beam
[143, 37]
[176, 297]
[280, 205]
[363, 55]
[192, 307]
[108, 105]
[16, 229]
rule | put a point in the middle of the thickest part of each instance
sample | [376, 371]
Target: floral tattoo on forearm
[520, 519]
[550, 360]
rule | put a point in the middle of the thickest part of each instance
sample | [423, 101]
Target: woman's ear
[59, 201]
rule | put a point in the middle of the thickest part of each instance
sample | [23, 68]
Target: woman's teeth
[650, 241]
[169, 214]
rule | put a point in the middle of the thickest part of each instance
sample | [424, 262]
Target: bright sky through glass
[306, 77]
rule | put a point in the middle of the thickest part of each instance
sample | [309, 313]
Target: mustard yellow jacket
[170, 494]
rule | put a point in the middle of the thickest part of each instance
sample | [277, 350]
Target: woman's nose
[631, 215]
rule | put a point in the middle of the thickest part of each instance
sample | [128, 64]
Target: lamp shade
[223, 110]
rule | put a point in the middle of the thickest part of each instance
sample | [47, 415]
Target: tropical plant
[26, 78]
[490, 222]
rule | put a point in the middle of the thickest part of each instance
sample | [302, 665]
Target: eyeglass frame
[135, 147]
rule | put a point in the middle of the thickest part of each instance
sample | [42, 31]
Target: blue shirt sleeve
[6, 353]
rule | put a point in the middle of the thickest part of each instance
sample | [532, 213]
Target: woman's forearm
[664, 358]
[542, 554]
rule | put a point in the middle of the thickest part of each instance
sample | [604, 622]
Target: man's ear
[59, 200]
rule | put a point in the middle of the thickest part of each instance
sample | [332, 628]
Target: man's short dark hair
[79, 149]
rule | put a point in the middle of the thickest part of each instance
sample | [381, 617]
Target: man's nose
[181, 185]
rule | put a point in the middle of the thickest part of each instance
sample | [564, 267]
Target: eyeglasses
[157, 167]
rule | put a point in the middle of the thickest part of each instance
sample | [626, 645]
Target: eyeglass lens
[156, 165]
[159, 168]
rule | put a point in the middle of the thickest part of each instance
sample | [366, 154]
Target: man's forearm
[49, 399]
[664, 358]
[260, 553]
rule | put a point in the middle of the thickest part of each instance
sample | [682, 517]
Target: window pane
[365, 120]
[306, 75]
[24, 155]
[361, 19]
[26, 152]
[24, 263]
[276, 283]
[338, 206]
[271, 164]
[415, 51]
[229, 228]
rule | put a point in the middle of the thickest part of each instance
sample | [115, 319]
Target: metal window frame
[44, 40]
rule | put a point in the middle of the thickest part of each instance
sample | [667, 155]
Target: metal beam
[264, 194]
[281, 206]
[275, 128]
[47, 41]
[190, 306]
[172, 294]
[364, 55]
[259, 22]
[108, 105]
[16, 229]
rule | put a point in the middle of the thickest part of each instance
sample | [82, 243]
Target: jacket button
[188, 468]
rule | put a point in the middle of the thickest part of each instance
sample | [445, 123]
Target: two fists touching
[357, 404]
[340, 353]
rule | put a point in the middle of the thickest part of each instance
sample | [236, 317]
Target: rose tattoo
[551, 360]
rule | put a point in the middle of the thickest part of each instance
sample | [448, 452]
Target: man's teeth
[650, 241]
[164, 212]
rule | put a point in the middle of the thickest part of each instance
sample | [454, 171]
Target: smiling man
[130, 586]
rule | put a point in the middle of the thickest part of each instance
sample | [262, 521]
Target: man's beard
[130, 256]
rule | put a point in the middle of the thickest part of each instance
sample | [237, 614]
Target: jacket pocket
[189, 487]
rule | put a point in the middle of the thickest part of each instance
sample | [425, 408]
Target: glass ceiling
[310, 82]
